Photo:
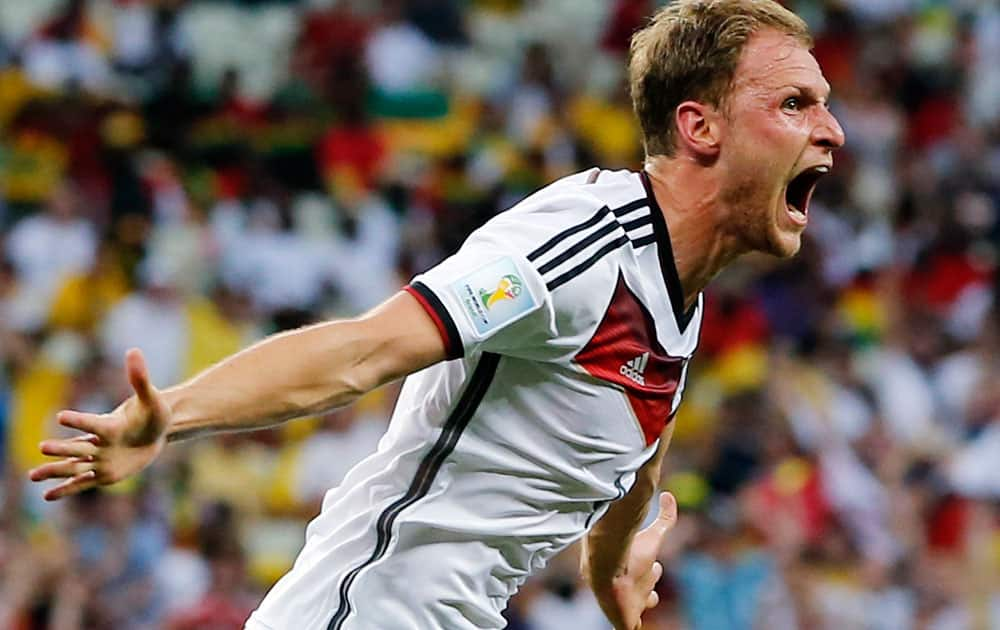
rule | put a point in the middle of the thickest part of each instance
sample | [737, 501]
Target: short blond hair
[690, 51]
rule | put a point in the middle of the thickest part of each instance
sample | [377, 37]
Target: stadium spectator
[867, 366]
[45, 249]
[68, 52]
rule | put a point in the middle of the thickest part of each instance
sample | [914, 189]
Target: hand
[631, 592]
[116, 445]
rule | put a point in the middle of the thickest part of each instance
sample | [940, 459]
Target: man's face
[778, 140]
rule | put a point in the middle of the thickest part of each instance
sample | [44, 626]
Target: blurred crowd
[187, 176]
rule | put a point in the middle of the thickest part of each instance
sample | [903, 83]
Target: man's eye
[791, 103]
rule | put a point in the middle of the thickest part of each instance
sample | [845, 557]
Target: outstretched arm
[284, 376]
[619, 563]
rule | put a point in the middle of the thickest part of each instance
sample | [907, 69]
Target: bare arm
[618, 560]
[305, 371]
[285, 376]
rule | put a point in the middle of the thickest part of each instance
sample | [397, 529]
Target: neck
[690, 197]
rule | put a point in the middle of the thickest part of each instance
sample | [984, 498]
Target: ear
[698, 128]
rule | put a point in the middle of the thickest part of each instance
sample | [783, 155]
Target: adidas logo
[634, 368]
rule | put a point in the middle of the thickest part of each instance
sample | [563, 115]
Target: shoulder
[561, 204]
[575, 222]
[578, 196]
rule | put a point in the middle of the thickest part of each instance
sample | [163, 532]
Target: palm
[115, 445]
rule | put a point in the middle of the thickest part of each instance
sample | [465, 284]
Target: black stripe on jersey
[474, 392]
[589, 240]
[591, 222]
[454, 341]
[631, 206]
[649, 239]
[599, 504]
[586, 264]
[668, 266]
[568, 232]
[637, 223]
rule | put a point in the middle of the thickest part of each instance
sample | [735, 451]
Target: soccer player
[545, 359]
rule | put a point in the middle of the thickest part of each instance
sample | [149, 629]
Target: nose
[828, 132]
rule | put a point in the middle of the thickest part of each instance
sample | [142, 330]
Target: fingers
[149, 397]
[667, 516]
[80, 446]
[76, 485]
[86, 422]
[70, 467]
[652, 600]
[649, 579]
[138, 377]
[647, 544]
[654, 576]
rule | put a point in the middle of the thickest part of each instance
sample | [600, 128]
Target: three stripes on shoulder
[577, 248]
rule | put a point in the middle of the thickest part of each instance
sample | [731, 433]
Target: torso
[495, 462]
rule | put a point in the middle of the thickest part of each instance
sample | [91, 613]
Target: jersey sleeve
[491, 297]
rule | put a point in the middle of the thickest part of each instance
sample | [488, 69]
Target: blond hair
[690, 51]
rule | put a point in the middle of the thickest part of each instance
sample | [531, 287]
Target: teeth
[822, 169]
[795, 210]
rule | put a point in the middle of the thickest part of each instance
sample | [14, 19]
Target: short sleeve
[491, 297]
[486, 297]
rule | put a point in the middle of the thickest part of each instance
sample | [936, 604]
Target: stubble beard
[755, 224]
[760, 233]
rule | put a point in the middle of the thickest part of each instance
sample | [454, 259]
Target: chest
[626, 351]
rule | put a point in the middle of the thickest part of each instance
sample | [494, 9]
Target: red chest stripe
[624, 350]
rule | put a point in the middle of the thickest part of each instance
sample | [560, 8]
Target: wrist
[605, 585]
[179, 420]
[600, 571]
[610, 603]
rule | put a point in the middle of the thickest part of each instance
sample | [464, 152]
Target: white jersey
[568, 345]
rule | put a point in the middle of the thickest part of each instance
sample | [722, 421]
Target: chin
[782, 244]
[789, 247]
[770, 235]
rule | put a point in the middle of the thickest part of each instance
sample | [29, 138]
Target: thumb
[667, 516]
[138, 377]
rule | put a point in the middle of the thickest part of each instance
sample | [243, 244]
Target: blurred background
[189, 176]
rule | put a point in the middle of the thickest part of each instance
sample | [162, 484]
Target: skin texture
[779, 126]
[285, 376]
[618, 561]
[723, 194]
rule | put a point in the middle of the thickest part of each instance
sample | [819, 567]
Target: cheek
[762, 146]
[771, 133]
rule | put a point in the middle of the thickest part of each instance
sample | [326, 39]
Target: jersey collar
[668, 265]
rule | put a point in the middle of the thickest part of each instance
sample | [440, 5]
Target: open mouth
[800, 190]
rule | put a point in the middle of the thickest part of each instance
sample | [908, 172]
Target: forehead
[771, 60]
